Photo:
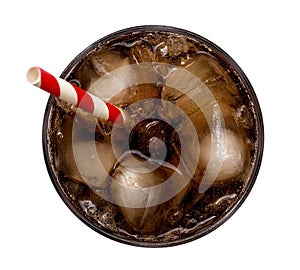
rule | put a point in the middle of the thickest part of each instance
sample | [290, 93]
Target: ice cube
[145, 199]
[136, 93]
[98, 65]
[203, 70]
[215, 76]
[87, 162]
[94, 161]
[234, 155]
[141, 51]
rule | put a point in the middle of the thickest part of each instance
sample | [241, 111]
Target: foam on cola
[188, 153]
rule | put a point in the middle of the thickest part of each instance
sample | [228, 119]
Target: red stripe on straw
[84, 101]
[114, 114]
[49, 83]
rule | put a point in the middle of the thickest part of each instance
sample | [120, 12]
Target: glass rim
[223, 57]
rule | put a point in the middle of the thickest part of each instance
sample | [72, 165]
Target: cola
[185, 158]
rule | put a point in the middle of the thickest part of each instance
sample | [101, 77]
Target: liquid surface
[187, 151]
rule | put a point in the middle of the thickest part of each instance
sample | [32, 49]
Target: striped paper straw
[73, 94]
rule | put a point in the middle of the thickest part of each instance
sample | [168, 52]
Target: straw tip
[34, 76]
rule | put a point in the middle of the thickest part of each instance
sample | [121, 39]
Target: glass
[188, 154]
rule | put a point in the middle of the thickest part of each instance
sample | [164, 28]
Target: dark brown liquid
[152, 134]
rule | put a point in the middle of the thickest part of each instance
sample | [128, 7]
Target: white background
[37, 231]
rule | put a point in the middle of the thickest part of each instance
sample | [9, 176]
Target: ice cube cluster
[206, 146]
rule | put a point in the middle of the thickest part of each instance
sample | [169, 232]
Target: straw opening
[34, 76]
